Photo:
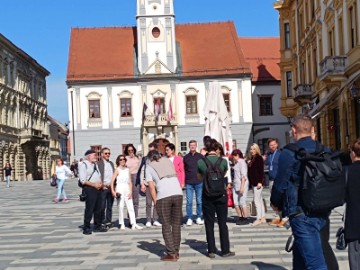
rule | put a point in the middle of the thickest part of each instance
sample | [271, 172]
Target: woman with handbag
[123, 192]
[240, 187]
[256, 178]
[61, 171]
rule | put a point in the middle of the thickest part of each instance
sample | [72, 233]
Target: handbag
[53, 180]
[230, 201]
[340, 239]
[340, 234]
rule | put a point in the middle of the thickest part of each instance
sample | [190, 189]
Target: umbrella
[217, 120]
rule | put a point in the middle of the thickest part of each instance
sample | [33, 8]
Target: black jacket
[352, 217]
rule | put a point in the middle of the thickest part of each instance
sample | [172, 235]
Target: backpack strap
[208, 163]
[218, 163]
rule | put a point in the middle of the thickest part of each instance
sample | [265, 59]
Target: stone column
[145, 141]
[240, 102]
[110, 106]
[176, 136]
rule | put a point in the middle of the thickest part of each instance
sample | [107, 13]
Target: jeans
[149, 203]
[190, 188]
[308, 250]
[7, 177]
[60, 189]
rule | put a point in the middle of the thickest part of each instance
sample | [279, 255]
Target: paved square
[36, 233]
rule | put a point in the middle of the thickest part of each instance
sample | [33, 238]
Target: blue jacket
[272, 161]
[284, 194]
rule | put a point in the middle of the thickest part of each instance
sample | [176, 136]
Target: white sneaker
[157, 223]
[122, 227]
[189, 222]
[199, 221]
[136, 227]
[148, 224]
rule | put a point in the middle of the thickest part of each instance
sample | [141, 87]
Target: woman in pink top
[178, 163]
[133, 162]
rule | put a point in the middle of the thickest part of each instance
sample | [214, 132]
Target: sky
[42, 28]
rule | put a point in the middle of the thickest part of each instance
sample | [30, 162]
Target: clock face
[155, 32]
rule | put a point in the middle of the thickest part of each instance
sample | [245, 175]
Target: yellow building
[320, 66]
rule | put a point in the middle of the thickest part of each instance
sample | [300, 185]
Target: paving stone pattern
[36, 233]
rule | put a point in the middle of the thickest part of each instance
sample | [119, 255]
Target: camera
[82, 197]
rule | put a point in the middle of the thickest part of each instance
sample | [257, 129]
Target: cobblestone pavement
[36, 233]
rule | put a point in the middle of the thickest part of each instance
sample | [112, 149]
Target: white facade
[269, 123]
[112, 130]
[110, 113]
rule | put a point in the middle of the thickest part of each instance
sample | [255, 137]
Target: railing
[333, 65]
[126, 121]
[192, 119]
[94, 123]
[162, 120]
[4, 129]
[303, 91]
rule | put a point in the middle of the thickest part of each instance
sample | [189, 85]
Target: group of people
[162, 178]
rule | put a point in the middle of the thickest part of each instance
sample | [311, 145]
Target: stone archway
[161, 143]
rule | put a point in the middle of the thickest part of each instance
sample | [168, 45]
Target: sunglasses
[107, 153]
[122, 159]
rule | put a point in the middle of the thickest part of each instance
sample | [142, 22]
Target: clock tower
[156, 45]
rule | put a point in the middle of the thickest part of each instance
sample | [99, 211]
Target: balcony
[95, 123]
[332, 68]
[303, 93]
[29, 134]
[150, 121]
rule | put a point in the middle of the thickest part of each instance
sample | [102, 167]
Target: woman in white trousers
[121, 188]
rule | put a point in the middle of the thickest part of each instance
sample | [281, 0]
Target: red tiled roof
[108, 53]
[263, 55]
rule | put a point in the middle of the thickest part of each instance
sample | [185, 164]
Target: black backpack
[214, 180]
[322, 184]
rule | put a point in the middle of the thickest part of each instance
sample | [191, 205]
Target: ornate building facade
[320, 66]
[23, 113]
[114, 71]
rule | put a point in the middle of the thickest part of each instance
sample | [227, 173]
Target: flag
[157, 109]
[145, 107]
[170, 115]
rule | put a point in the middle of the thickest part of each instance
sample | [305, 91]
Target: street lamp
[289, 118]
[355, 93]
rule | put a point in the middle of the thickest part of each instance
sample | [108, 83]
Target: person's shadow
[154, 247]
[267, 266]
[199, 246]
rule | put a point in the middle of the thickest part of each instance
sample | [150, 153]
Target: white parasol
[217, 120]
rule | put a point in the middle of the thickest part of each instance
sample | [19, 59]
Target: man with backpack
[212, 170]
[295, 194]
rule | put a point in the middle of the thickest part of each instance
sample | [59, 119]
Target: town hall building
[123, 81]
